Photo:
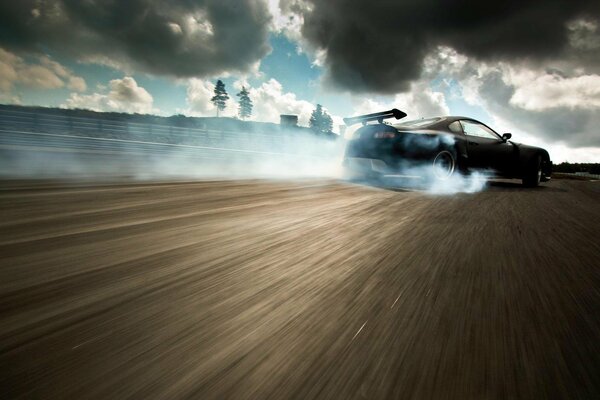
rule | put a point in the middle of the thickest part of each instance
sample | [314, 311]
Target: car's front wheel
[533, 172]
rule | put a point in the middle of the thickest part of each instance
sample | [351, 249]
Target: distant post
[288, 120]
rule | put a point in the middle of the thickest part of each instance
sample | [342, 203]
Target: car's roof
[426, 124]
[430, 123]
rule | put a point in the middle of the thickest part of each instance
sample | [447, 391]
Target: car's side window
[455, 127]
[474, 129]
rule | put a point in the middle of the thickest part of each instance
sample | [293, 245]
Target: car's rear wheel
[444, 164]
[533, 172]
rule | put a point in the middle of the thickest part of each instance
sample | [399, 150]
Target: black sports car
[449, 145]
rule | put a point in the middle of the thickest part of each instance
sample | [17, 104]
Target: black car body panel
[383, 149]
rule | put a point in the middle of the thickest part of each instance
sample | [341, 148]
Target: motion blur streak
[313, 289]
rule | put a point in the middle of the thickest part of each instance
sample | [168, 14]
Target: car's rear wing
[380, 116]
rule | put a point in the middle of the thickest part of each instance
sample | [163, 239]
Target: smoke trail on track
[60, 156]
[284, 154]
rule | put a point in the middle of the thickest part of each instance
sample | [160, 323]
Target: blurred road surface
[312, 289]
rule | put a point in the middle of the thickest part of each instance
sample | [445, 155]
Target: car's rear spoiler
[380, 116]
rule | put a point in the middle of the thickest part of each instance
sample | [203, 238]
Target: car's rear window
[418, 123]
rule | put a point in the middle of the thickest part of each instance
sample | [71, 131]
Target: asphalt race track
[308, 289]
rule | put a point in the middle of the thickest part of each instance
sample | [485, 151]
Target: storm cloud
[178, 38]
[380, 46]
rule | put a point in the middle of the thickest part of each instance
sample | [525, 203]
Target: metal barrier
[20, 122]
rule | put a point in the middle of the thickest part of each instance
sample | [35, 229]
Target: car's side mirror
[506, 136]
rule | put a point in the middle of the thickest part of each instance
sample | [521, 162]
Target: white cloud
[240, 83]
[94, 101]
[542, 91]
[9, 98]
[8, 70]
[270, 101]
[288, 17]
[39, 77]
[584, 34]
[559, 151]
[124, 96]
[199, 23]
[77, 84]
[127, 91]
[555, 105]
[175, 28]
[55, 67]
[420, 102]
[41, 73]
[199, 93]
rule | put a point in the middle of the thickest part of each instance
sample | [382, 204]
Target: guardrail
[586, 175]
[73, 124]
[575, 175]
[22, 122]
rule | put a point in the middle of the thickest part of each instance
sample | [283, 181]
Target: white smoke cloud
[292, 155]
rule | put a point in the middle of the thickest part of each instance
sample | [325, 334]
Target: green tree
[220, 98]
[245, 108]
[320, 121]
[327, 124]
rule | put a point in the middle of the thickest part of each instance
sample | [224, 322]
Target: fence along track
[21, 130]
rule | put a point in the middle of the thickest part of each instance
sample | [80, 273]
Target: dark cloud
[177, 37]
[379, 46]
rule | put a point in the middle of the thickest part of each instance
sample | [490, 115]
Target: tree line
[571, 168]
[320, 121]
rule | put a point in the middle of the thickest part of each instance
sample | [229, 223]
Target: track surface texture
[309, 289]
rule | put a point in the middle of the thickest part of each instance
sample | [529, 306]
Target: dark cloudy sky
[528, 67]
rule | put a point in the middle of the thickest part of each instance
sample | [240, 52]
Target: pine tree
[315, 118]
[326, 123]
[245, 108]
[320, 121]
[220, 98]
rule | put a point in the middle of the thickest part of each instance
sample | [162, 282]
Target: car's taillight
[384, 135]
